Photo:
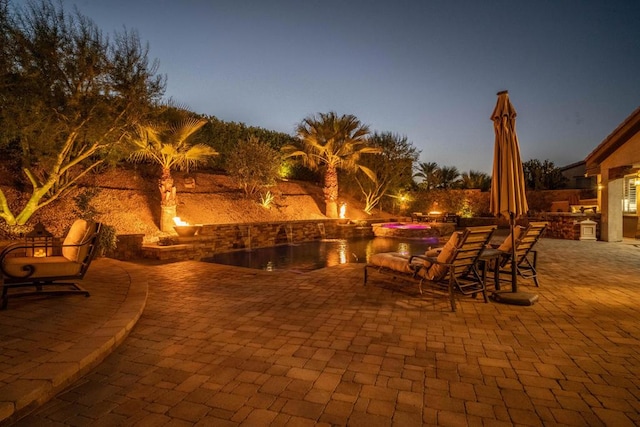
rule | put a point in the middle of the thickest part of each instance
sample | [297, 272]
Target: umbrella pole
[514, 263]
[514, 297]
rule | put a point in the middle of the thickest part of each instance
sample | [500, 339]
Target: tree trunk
[331, 192]
[168, 201]
[167, 190]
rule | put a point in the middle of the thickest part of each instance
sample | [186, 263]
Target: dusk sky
[429, 70]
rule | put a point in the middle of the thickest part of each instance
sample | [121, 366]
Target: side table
[486, 257]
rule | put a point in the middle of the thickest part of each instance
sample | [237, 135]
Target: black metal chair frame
[52, 285]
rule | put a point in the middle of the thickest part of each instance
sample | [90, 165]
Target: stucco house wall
[616, 157]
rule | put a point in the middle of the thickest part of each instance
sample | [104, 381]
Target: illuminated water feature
[411, 230]
[319, 254]
[405, 225]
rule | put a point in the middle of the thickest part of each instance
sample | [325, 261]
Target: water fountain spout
[248, 244]
[289, 230]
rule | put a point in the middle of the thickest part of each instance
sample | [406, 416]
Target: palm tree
[475, 179]
[428, 171]
[448, 176]
[169, 148]
[328, 142]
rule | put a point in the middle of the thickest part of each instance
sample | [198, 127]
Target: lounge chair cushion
[506, 245]
[393, 261]
[52, 266]
[445, 255]
[80, 230]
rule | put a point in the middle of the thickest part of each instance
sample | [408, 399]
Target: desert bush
[254, 165]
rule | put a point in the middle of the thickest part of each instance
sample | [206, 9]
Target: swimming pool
[319, 254]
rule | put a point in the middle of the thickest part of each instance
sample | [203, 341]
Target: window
[629, 198]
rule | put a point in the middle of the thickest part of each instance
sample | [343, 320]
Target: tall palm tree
[328, 142]
[169, 148]
[448, 176]
[475, 179]
[428, 171]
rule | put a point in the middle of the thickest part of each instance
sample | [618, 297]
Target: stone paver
[219, 345]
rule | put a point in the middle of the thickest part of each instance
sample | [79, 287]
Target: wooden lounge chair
[454, 269]
[47, 274]
[526, 256]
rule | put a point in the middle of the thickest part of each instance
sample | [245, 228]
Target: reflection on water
[403, 248]
[320, 254]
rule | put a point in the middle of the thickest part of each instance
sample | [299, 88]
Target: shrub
[266, 200]
[253, 165]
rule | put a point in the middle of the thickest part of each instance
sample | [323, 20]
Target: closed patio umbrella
[508, 196]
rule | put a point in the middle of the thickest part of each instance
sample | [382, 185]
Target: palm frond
[370, 174]
[182, 131]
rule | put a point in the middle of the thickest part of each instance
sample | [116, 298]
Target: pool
[320, 254]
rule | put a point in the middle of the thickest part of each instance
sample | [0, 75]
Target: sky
[425, 69]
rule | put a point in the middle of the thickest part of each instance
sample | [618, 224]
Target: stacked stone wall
[219, 238]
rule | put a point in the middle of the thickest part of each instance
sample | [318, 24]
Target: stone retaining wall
[561, 225]
[566, 225]
[129, 246]
[219, 238]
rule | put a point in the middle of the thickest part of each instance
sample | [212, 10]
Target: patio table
[485, 260]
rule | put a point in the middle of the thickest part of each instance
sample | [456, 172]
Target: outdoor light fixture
[39, 242]
[343, 211]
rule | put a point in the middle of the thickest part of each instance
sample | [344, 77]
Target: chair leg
[452, 298]
[365, 276]
[533, 268]
[535, 280]
[42, 288]
[482, 279]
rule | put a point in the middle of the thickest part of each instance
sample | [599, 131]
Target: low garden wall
[566, 225]
[219, 238]
[129, 246]
[561, 225]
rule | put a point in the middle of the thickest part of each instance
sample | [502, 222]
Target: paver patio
[218, 345]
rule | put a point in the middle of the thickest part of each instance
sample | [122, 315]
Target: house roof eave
[625, 131]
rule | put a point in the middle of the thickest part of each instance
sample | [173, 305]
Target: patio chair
[526, 256]
[417, 217]
[48, 274]
[453, 269]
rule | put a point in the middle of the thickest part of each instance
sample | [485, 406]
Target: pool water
[319, 254]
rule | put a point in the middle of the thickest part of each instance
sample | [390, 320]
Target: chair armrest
[432, 260]
[423, 258]
[14, 248]
[19, 250]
